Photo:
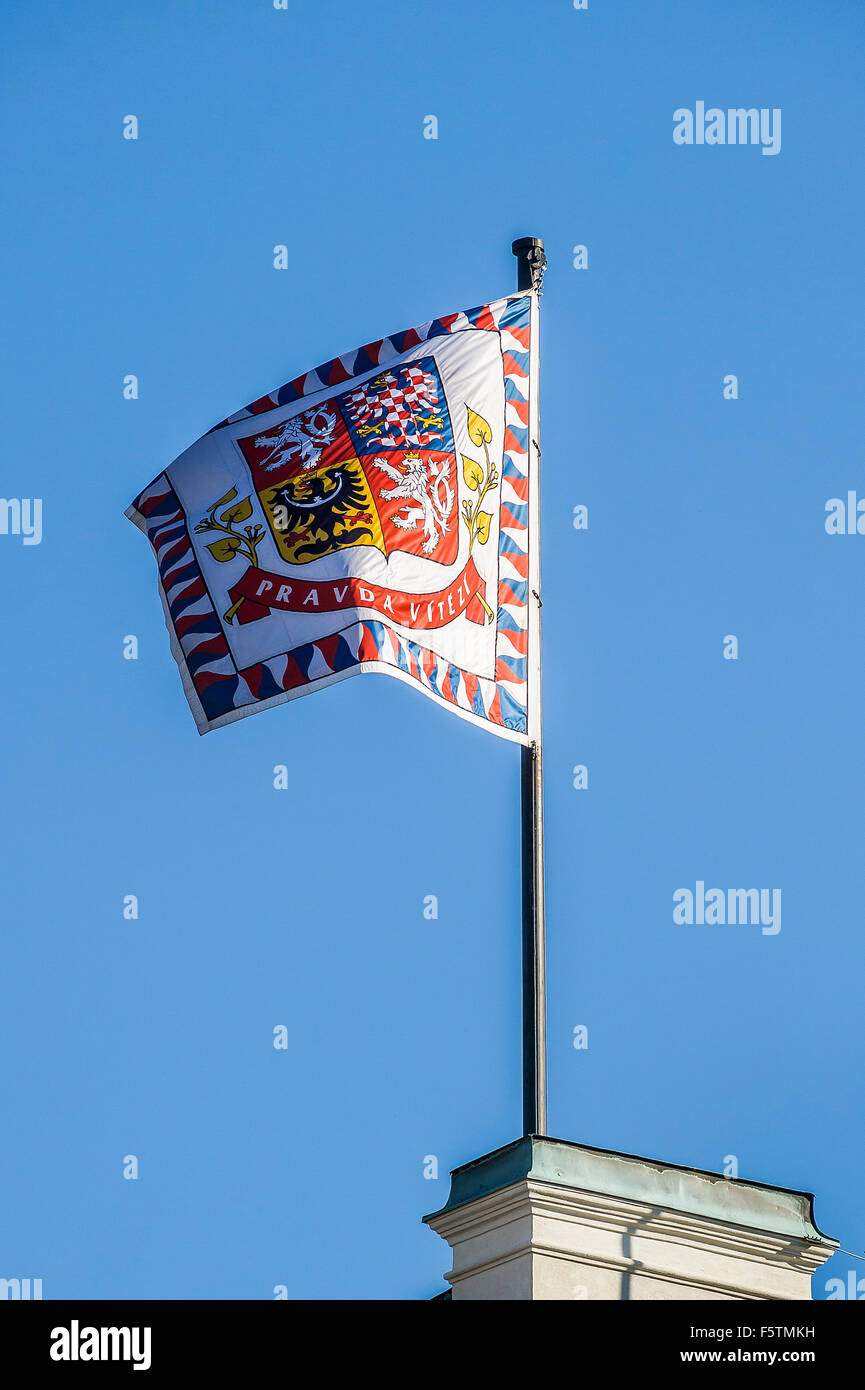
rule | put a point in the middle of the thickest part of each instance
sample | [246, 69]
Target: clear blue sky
[305, 907]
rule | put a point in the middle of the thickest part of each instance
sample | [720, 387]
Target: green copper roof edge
[672, 1186]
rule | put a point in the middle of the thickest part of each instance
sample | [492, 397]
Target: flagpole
[531, 261]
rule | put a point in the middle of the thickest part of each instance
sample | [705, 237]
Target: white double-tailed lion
[428, 495]
[306, 434]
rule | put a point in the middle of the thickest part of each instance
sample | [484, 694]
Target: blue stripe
[514, 715]
[506, 622]
[268, 686]
[218, 698]
[515, 664]
[164, 509]
[182, 575]
[520, 589]
[207, 626]
[508, 546]
[521, 435]
[517, 314]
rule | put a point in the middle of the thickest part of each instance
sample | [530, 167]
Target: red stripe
[504, 673]
[166, 532]
[327, 646]
[508, 519]
[169, 538]
[194, 589]
[507, 595]
[512, 366]
[512, 445]
[337, 373]
[175, 552]
[188, 620]
[202, 679]
[292, 676]
[520, 486]
[253, 676]
[150, 504]
[368, 648]
[518, 640]
[522, 335]
[372, 350]
[520, 564]
[211, 646]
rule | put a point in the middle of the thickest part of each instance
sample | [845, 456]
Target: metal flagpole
[531, 261]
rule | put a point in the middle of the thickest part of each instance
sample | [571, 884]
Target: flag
[371, 515]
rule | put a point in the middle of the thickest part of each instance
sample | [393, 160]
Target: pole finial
[531, 262]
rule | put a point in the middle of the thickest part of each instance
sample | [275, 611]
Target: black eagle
[318, 504]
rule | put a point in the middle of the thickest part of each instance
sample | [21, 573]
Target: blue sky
[153, 1037]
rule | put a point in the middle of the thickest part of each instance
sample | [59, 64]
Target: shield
[371, 466]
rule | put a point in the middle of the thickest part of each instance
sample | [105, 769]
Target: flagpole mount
[531, 262]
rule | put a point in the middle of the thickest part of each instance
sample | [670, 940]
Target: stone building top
[647, 1181]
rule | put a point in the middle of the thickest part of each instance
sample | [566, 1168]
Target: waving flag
[371, 515]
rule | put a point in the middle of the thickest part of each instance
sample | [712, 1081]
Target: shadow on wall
[627, 1249]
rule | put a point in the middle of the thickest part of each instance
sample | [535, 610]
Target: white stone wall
[538, 1240]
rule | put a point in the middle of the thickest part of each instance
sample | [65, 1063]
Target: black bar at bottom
[212, 1341]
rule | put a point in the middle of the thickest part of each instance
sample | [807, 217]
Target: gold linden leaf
[479, 430]
[472, 472]
[241, 511]
[484, 519]
[225, 549]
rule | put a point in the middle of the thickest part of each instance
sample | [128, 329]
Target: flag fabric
[371, 515]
